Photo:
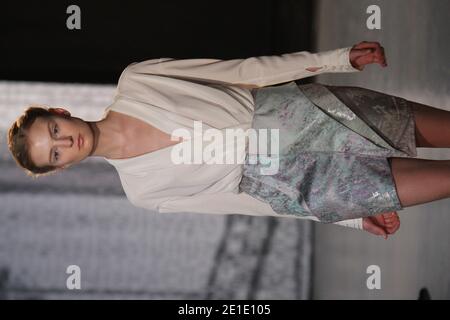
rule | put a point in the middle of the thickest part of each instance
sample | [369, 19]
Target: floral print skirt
[332, 156]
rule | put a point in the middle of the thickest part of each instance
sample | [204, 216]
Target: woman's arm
[250, 72]
[242, 203]
[222, 203]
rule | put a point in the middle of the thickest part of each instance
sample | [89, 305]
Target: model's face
[54, 141]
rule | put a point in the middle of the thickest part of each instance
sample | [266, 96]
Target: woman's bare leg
[432, 126]
[420, 181]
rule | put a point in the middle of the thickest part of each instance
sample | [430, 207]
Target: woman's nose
[65, 142]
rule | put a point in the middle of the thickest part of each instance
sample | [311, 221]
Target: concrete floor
[415, 35]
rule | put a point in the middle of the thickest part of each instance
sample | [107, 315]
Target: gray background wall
[415, 35]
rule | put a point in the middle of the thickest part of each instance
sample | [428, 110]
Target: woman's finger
[377, 230]
[394, 227]
[380, 57]
[367, 45]
[372, 58]
[376, 49]
[366, 59]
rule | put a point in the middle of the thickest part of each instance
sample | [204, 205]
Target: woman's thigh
[420, 181]
[432, 126]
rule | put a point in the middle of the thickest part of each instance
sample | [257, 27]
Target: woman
[155, 98]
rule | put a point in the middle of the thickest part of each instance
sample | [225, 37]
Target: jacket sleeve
[224, 203]
[351, 223]
[249, 72]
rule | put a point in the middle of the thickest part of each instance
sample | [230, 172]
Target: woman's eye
[56, 155]
[55, 130]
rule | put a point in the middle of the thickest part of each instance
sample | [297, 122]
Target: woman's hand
[365, 53]
[382, 224]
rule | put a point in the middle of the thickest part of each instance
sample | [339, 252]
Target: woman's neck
[108, 139]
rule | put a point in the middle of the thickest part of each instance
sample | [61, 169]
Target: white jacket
[171, 94]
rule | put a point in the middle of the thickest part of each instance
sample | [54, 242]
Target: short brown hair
[18, 144]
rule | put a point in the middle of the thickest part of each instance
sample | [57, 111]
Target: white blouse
[170, 94]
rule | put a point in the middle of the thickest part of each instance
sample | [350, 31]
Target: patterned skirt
[331, 159]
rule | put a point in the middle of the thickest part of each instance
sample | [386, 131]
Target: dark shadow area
[36, 45]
